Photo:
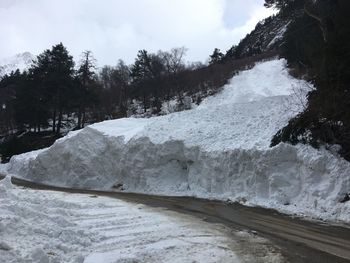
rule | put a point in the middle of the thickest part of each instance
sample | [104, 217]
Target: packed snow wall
[291, 179]
[219, 150]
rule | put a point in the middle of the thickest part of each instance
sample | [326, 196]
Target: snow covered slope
[268, 34]
[52, 227]
[20, 61]
[218, 150]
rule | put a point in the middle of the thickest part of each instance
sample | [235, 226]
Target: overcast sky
[117, 29]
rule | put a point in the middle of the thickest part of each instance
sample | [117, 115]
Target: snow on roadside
[218, 150]
[53, 227]
[22, 162]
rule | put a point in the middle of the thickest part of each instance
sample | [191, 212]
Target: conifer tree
[54, 71]
[216, 57]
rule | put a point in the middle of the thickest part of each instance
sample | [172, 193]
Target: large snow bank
[53, 227]
[218, 150]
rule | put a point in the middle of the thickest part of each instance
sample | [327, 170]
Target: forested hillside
[268, 34]
[57, 93]
[317, 46]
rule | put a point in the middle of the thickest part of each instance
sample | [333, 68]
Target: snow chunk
[6, 182]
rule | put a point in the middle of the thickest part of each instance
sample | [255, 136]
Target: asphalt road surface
[298, 240]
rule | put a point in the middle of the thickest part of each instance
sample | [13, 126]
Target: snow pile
[22, 162]
[218, 150]
[53, 227]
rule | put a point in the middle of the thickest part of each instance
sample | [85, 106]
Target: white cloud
[115, 29]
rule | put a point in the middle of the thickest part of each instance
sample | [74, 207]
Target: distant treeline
[53, 93]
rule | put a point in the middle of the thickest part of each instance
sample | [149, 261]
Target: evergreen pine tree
[54, 71]
[216, 57]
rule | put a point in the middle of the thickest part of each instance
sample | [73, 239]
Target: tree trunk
[83, 119]
[79, 118]
[308, 8]
[54, 121]
[144, 104]
[58, 129]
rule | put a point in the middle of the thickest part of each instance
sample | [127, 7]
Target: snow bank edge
[292, 179]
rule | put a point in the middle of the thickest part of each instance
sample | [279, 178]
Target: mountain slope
[20, 61]
[268, 35]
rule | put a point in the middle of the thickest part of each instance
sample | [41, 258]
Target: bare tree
[173, 60]
[86, 76]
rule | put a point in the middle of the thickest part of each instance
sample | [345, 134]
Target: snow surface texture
[219, 150]
[53, 227]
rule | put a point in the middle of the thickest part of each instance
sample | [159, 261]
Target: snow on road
[218, 150]
[53, 227]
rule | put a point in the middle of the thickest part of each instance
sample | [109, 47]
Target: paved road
[299, 240]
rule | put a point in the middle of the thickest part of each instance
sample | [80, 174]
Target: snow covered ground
[218, 150]
[53, 227]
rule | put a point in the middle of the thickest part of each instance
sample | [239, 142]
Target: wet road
[299, 240]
